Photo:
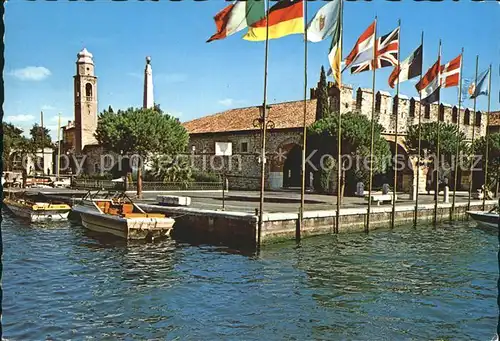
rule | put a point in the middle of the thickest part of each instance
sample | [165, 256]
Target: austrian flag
[450, 72]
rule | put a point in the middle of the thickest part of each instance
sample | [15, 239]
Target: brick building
[284, 140]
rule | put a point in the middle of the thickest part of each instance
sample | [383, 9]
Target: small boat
[36, 207]
[485, 218]
[113, 212]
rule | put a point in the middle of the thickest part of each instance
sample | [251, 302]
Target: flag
[335, 57]
[285, 17]
[450, 72]
[429, 85]
[386, 55]
[410, 68]
[325, 22]
[469, 88]
[365, 43]
[236, 17]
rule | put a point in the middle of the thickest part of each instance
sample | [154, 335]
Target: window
[378, 99]
[244, 147]
[467, 117]
[441, 112]
[427, 113]
[454, 115]
[88, 90]
[395, 105]
[96, 168]
[359, 99]
[478, 118]
[412, 107]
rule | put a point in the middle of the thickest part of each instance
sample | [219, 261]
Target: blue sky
[193, 78]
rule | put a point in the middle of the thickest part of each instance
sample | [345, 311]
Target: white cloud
[31, 73]
[228, 102]
[48, 107]
[19, 118]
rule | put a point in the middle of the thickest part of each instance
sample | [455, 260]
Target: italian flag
[237, 16]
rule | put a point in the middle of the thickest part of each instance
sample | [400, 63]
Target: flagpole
[43, 144]
[339, 127]
[304, 137]
[473, 136]
[487, 141]
[419, 133]
[393, 216]
[58, 145]
[263, 133]
[436, 189]
[367, 227]
[458, 136]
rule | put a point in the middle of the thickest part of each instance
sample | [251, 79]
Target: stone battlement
[386, 107]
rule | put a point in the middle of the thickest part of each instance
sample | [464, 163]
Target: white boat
[485, 219]
[36, 207]
[115, 213]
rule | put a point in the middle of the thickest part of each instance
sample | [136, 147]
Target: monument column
[148, 100]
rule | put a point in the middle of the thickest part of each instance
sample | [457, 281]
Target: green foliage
[479, 148]
[322, 180]
[13, 140]
[169, 169]
[141, 131]
[40, 138]
[322, 108]
[448, 139]
[356, 137]
[206, 177]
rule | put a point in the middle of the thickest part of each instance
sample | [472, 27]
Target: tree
[479, 148]
[40, 138]
[13, 141]
[356, 138]
[322, 107]
[143, 132]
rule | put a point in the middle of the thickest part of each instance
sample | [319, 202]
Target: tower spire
[148, 100]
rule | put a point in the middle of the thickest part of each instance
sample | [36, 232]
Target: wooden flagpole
[263, 134]
[436, 163]
[339, 128]
[367, 227]
[304, 136]
[487, 141]
[43, 143]
[58, 146]
[452, 213]
[393, 216]
[473, 136]
[415, 214]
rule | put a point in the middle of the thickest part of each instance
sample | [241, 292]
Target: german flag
[285, 18]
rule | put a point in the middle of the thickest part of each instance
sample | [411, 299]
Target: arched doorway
[292, 168]
[404, 167]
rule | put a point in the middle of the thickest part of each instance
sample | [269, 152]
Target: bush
[206, 177]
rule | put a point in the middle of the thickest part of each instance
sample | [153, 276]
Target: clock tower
[85, 98]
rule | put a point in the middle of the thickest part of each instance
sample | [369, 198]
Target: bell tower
[85, 92]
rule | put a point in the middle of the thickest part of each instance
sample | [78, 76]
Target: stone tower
[85, 90]
[148, 100]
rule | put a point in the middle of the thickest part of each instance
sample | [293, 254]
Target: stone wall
[407, 110]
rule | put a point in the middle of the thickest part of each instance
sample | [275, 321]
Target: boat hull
[484, 219]
[38, 216]
[127, 228]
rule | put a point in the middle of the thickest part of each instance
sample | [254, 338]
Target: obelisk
[148, 101]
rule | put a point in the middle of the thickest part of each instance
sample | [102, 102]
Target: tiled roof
[495, 118]
[284, 115]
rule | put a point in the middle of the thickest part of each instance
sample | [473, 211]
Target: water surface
[61, 283]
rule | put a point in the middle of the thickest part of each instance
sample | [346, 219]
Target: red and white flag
[429, 85]
[363, 50]
[450, 72]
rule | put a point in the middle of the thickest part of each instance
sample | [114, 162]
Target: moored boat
[485, 219]
[36, 207]
[115, 213]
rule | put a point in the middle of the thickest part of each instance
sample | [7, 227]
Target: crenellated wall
[407, 109]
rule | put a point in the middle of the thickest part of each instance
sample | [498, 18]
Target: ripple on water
[408, 284]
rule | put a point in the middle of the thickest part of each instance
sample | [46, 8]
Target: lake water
[60, 283]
